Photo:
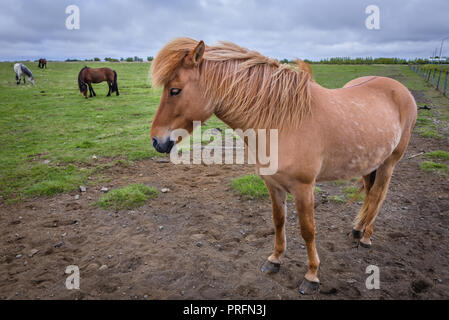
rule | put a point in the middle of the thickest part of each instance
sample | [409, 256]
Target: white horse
[20, 68]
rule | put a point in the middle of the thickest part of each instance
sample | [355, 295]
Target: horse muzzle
[163, 145]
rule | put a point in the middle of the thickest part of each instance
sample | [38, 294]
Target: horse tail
[114, 85]
[304, 67]
[81, 83]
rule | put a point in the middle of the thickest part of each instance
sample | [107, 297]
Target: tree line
[109, 59]
[366, 60]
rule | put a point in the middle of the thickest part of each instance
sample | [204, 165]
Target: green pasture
[52, 138]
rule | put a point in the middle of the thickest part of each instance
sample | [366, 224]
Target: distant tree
[150, 58]
[284, 61]
[129, 59]
[97, 59]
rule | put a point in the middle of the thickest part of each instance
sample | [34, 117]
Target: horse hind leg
[363, 224]
[279, 208]
[368, 182]
[110, 88]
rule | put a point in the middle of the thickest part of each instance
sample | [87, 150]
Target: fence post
[433, 76]
[445, 83]
[438, 81]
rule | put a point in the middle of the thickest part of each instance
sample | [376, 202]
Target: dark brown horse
[42, 63]
[87, 76]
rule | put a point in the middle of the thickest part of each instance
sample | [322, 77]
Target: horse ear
[197, 54]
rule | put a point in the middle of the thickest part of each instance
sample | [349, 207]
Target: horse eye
[175, 91]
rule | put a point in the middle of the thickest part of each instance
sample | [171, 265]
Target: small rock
[110, 256]
[161, 227]
[18, 256]
[145, 296]
[33, 252]
[198, 244]
[103, 267]
[351, 281]
[219, 247]
[77, 197]
[83, 189]
[46, 161]
[64, 234]
[94, 157]
[104, 189]
[59, 244]
[165, 190]
[303, 247]
[404, 208]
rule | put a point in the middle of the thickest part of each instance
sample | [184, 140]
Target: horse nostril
[154, 142]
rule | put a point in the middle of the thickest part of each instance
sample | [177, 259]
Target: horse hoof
[270, 267]
[356, 234]
[309, 287]
[365, 245]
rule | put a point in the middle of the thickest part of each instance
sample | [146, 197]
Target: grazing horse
[361, 130]
[87, 76]
[19, 69]
[42, 63]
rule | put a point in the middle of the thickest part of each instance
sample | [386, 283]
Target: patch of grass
[129, 197]
[351, 191]
[430, 166]
[251, 186]
[53, 121]
[337, 199]
[438, 154]
[429, 133]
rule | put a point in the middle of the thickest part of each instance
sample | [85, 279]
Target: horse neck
[241, 105]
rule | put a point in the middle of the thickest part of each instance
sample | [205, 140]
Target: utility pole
[441, 47]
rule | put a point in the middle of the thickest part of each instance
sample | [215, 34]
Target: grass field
[53, 139]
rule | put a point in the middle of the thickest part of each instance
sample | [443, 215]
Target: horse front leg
[304, 198]
[279, 209]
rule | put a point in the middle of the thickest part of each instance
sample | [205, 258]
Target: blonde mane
[242, 86]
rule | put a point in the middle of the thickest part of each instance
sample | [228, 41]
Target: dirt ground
[200, 240]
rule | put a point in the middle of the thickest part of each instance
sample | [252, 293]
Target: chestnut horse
[324, 134]
[87, 76]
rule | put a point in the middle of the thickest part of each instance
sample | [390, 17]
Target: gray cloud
[311, 29]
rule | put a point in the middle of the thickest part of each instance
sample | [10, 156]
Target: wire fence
[437, 78]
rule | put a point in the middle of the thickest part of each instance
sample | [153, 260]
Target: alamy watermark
[73, 280]
[372, 22]
[72, 22]
[373, 280]
[262, 146]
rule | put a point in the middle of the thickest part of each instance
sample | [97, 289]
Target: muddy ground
[200, 240]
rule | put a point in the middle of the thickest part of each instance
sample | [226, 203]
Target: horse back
[97, 75]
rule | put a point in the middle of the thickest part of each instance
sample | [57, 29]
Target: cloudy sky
[311, 29]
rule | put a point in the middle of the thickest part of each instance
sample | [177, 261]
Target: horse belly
[360, 151]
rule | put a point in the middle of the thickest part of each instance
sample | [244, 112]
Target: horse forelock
[243, 86]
